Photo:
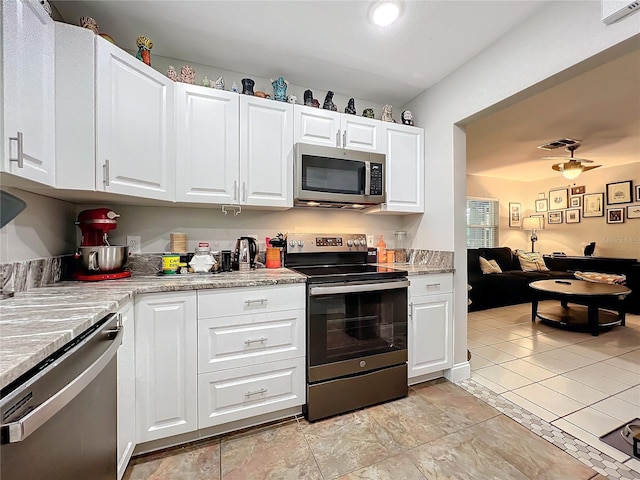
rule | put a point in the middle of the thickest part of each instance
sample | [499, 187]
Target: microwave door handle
[367, 178]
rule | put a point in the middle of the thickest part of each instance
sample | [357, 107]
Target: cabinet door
[28, 92]
[317, 126]
[266, 152]
[135, 149]
[360, 133]
[166, 365]
[126, 390]
[405, 168]
[430, 334]
[207, 144]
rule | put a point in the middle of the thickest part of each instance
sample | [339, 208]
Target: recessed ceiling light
[385, 13]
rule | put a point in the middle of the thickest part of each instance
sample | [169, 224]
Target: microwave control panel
[376, 179]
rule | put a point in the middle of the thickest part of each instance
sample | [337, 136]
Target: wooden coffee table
[597, 305]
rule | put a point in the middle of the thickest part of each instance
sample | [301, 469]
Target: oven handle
[21, 429]
[363, 287]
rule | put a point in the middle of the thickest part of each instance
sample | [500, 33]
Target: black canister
[225, 260]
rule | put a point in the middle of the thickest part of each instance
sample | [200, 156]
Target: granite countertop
[36, 323]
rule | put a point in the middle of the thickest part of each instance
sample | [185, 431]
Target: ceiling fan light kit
[574, 166]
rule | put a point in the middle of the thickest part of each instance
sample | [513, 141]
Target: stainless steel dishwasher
[59, 418]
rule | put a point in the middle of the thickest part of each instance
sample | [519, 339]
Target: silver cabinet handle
[20, 157]
[433, 285]
[257, 340]
[338, 138]
[244, 191]
[330, 289]
[235, 190]
[21, 429]
[105, 171]
[261, 301]
[257, 392]
[344, 139]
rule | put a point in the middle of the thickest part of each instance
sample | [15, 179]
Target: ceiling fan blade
[590, 167]
[558, 167]
[569, 159]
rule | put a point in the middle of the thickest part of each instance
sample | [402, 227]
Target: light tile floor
[584, 385]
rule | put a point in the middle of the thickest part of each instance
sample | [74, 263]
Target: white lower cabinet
[430, 325]
[126, 390]
[166, 365]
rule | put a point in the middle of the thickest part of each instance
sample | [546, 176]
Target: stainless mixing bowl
[104, 259]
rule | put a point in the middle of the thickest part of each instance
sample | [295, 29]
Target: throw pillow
[531, 262]
[489, 266]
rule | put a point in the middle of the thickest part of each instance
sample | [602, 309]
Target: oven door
[355, 327]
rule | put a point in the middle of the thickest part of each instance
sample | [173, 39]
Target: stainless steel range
[356, 324]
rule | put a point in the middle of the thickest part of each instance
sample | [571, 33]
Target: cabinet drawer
[225, 302]
[244, 340]
[249, 391]
[430, 284]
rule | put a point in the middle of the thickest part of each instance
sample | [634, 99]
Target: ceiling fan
[573, 166]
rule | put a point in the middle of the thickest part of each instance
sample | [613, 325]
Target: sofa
[511, 286]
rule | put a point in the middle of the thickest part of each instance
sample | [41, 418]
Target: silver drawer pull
[259, 301]
[257, 340]
[433, 285]
[257, 392]
[20, 154]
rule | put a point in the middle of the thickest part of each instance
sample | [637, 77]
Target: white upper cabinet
[135, 149]
[266, 153]
[207, 144]
[27, 91]
[332, 129]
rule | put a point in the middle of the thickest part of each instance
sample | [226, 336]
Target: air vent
[614, 10]
[562, 143]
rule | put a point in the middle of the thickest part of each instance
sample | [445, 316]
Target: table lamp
[533, 224]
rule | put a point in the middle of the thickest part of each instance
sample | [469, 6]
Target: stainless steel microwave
[336, 177]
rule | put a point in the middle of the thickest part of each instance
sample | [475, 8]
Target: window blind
[482, 223]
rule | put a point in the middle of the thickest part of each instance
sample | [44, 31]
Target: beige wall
[612, 240]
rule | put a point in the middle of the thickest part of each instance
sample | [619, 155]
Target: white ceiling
[324, 45]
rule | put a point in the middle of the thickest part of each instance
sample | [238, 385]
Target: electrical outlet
[134, 243]
[370, 241]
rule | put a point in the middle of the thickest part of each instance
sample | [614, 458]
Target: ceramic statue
[234, 87]
[90, 23]
[368, 113]
[328, 102]
[144, 49]
[308, 98]
[218, 84]
[292, 99]
[279, 89]
[206, 82]
[187, 75]
[315, 103]
[172, 74]
[351, 107]
[247, 86]
[407, 117]
[261, 94]
[387, 115]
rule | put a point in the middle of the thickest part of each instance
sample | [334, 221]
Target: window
[482, 222]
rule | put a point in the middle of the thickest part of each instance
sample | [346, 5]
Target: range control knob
[300, 243]
[349, 243]
[363, 241]
[292, 243]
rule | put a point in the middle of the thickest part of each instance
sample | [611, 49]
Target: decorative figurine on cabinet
[206, 82]
[247, 86]
[351, 107]
[315, 103]
[218, 84]
[172, 74]
[328, 102]
[292, 99]
[387, 113]
[368, 113]
[261, 94]
[144, 49]
[187, 75]
[279, 89]
[407, 117]
[308, 98]
[90, 23]
[234, 87]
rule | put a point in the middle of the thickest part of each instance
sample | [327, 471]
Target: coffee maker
[97, 259]
[245, 254]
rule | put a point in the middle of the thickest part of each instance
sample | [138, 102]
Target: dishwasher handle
[19, 430]
[333, 289]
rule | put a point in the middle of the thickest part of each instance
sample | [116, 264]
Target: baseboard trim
[458, 372]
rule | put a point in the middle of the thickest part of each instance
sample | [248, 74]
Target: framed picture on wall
[542, 205]
[633, 211]
[558, 199]
[577, 190]
[638, 193]
[619, 192]
[572, 215]
[593, 205]
[515, 215]
[575, 201]
[554, 217]
[615, 215]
